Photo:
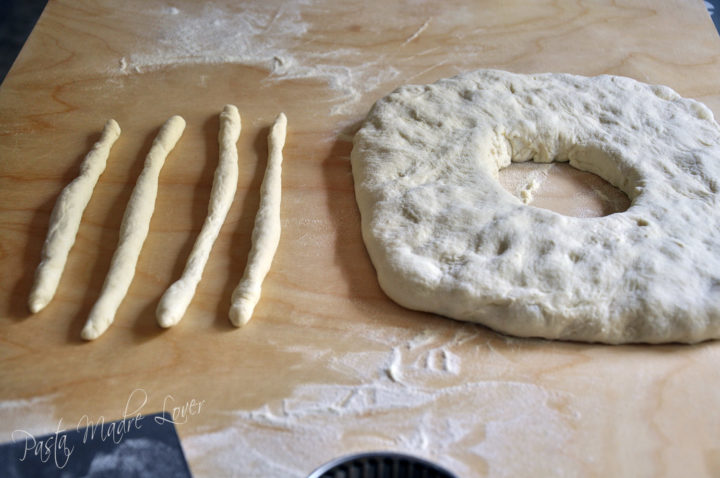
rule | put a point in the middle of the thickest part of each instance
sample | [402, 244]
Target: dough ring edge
[446, 238]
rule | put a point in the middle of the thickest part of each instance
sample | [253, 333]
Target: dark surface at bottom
[138, 446]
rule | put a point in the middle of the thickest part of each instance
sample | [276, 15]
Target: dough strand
[133, 231]
[266, 232]
[65, 219]
[177, 297]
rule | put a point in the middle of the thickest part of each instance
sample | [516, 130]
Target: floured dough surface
[445, 237]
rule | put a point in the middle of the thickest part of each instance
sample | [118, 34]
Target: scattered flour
[272, 35]
[442, 360]
[524, 179]
[423, 338]
[417, 33]
[409, 396]
[319, 422]
[35, 416]
[394, 371]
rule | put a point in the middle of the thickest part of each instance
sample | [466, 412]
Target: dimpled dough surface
[445, 237]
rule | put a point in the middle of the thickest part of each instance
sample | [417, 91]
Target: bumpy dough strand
[266, 232]
[133, 231]
[176, 299]
[65, 219]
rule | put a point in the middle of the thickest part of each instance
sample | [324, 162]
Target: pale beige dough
[176, 299]
[65, 219]
[266, 231]
[133, 231]
[445, 237]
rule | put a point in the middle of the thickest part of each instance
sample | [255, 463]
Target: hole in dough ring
[445, 237]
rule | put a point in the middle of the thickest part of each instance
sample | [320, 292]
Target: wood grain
[479, 403]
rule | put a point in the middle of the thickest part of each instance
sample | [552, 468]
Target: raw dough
[65, 219]
[133, 231]
[445, 237]
[176, 299]
[266, 231]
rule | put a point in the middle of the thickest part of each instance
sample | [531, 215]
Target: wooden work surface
[328, 365]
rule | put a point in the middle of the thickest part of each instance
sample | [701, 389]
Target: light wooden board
[328, 365]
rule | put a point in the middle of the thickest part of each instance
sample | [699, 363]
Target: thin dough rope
[65, 219]
[177, 297]
[133, 231]
[266, 232]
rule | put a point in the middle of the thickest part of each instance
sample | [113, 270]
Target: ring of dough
[446, 237]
